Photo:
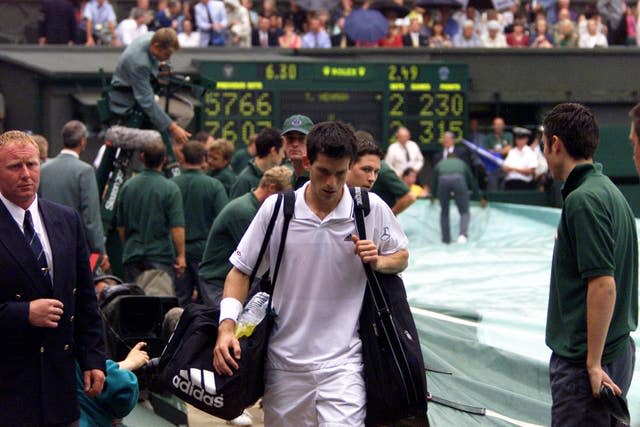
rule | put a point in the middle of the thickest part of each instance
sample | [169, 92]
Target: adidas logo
[199, 384]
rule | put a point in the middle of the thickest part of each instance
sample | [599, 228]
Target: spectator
[393, 37]
[239, 24]
[317, 36]
[290, 39]
[566, 35]
[593, 37]
[499, 142]
[518, 38]
[253, 15]
[451, 149]
[630, 23]
[43, 147]
[243, 156]
[269, 153]
[275, 24]
[540, 36]
[414, 36]
[404, 153]
[365, 168]
[211, 22]
[151, 223]
[269, 8]
[68, 180]
[450, 25]
[218, 158]
[494, 36]
[57, 22]
[468, 36]
[520, 164]
[203, 197]
[475, 135]
[296, 15]
[100, 22]
[133, 27]
[188, 37]
[438, 37]
[612, 13]
[341, 39]
[120, 393]
[263, 36]
[167, 16]
[410, 178]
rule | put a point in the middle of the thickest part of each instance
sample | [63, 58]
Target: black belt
[122, 89]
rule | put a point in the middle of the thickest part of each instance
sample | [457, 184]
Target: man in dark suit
[263, 36]
[341, 39]
[415, 37]
[450, 149]
[49, 318]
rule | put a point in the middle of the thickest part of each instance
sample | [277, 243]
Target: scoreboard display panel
[428, 99]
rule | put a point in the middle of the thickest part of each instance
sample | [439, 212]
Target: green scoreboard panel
[245, 97]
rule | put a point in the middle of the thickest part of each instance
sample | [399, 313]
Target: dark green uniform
[596, 237]
[491, 141]
[388, 186]
[248, 179]
[203, 198]
[148, 206]
[451, 166]
[239, 160]
[226, 232]
[226, 176]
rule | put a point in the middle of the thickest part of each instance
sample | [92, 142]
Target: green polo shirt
[388, 185]
[226, 232]
[203, 198]
[296, 181]
[450, 166]
[596, 237]
[491, 140]
[240, 159]
[226, 176]
[248, 179]
[148, 206]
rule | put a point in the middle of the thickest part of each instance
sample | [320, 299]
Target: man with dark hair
[150, 219]
[133, 78]
[49, 318]
[364, 171]
[593, 300]
[203, 197]
[388, 184]
[269, 153]
[68, 180]
[314, 363]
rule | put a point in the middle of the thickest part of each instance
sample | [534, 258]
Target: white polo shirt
[321, 282]
[525, 158]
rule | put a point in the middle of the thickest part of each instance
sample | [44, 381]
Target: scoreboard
[429, 99]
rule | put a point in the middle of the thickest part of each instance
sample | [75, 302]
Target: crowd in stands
[241, 23]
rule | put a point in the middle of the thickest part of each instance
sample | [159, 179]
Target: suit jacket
[422, 40]
[37, 365]
[68, 180]
[272, 38]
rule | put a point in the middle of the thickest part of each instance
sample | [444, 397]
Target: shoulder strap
[361, 201]
[267, 237]
[289, 204]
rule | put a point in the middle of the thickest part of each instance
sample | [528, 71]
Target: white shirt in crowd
[400, 157]
[521, 159]
[191, 40]
[128, 30]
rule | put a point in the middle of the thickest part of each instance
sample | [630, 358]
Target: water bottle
[252, 315]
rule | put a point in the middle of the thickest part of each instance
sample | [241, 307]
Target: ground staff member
[593, 300]
[314, 363]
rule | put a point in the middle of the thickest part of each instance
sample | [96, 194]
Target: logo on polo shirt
[385, 234]
[239, 253]
[348, 238]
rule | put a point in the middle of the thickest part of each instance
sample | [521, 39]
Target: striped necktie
[36, 246]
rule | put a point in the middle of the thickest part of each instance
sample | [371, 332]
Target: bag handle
[267, 237]
[361, 208]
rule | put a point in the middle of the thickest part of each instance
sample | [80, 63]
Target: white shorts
[330, 397]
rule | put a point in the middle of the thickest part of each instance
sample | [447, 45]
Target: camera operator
[137, 72]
